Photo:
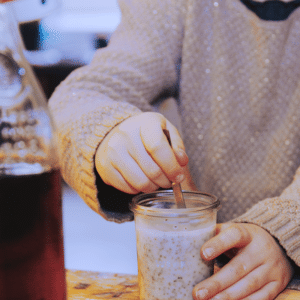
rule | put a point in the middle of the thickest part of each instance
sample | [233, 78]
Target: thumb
[177, 144]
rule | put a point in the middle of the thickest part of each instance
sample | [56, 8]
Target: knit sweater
[235, 79]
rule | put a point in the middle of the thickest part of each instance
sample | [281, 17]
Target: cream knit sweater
[236, 80]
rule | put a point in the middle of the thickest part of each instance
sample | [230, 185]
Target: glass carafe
[31, 242]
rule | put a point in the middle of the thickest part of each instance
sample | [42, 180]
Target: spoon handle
[179, 199]
[178, 195]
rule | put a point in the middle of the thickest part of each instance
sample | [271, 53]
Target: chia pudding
[168, 245]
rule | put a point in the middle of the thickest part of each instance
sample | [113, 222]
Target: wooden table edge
[98, 285]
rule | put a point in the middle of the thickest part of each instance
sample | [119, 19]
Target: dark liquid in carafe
[31, 242]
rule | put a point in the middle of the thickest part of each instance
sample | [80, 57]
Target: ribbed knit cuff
[81, 128]
[86, 184]
[281, 218]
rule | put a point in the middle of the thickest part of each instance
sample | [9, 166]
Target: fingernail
[179, 178]
[182, 153]
[201, 294]
[208, 252]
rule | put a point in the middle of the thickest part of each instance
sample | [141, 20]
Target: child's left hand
[258, 270]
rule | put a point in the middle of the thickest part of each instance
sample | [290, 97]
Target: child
[234, 75]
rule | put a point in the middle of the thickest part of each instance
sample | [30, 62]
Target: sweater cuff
[79, 137]
[89, 187]
[281, 218]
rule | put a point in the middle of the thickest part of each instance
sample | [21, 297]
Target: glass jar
[31, 241]
[169, 241]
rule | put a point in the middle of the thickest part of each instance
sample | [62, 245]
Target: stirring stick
[176, 186]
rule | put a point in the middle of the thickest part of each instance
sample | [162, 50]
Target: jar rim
[162, 204]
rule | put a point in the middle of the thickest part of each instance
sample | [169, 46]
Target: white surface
[89, 16]
[30, 10]
[102, 22]
[89, 4]
[94, 244]
[73, 29]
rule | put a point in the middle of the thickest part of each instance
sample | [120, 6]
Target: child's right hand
[136, 157]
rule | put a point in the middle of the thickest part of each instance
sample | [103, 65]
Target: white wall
[70, 32]
[89, 5]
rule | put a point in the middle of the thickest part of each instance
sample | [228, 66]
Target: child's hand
[259, 269]
[136, 156]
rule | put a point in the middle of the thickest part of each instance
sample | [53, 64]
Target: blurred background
[57, 43]
[67, 37]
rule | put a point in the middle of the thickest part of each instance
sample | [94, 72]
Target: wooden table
[84, 285]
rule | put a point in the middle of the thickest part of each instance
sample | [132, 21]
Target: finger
[157, 145]
[133, 175]
[116, 180]
[234, 236]
[156, 175]
[233, 272]
[149, 166]
[267, 292]
[177, 145]
[188, 183]
[248, 285]
[110, 175]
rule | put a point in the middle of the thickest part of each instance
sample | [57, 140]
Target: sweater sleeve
[123, 80]
[280, 216]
